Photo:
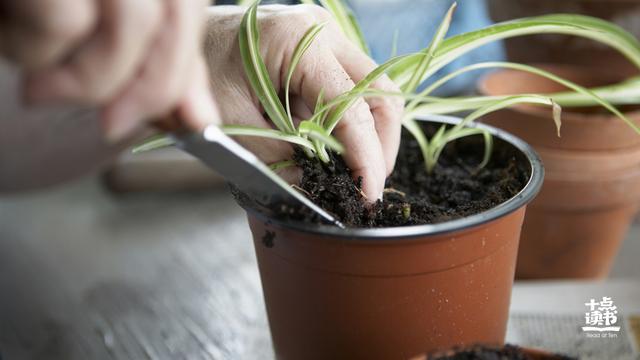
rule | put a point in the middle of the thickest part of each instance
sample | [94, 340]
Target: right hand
[134, 59]
[369, 130]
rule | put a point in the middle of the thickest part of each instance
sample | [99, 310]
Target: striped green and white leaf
[254, 131]
[301, 48]
[425, 62]
[623, 93]
[566, 24]
[153, 143]
[257, 73]
[442, 137]
[346, 21]
[245, 2]
[453, 106]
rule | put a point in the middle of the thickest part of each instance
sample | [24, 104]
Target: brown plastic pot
[564, 49]
[592, 187]
[392, 293]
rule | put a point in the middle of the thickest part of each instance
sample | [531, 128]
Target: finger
[164, 76]
[36, 34]
[198, 108]
[105, 64]
[387, 110]
[299, 109]
[319, 70]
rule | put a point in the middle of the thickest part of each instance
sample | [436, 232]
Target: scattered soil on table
[508, 352]
[456, 188]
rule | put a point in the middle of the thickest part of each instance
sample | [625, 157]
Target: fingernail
[203, 110]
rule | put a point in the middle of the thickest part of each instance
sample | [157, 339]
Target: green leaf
[282, 165]
[299, 51]
[488, 145]
[318, 133]
[527, 68]
[153, 143]
[394, 43]
[257, 73]
[416, 131]
[346, 100]
[247, 130]
[567, 24]
[319, 102]
[423, 65]
[347, 22]
[442, 138]
[624, 93]
[507, 102]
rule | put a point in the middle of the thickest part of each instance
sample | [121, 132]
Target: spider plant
[409, 71]
[313, 135]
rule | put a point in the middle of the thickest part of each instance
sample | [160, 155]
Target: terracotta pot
[392, 293]
[563, 49]
[592, 187]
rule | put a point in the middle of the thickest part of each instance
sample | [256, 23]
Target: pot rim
[528, 192]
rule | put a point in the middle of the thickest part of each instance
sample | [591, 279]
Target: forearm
[43, 147]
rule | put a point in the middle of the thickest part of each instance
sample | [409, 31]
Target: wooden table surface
[86, 275]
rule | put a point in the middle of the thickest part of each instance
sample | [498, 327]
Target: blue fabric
[416, 22]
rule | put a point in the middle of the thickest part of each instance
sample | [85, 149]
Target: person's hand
[370, 130]
[137, 60]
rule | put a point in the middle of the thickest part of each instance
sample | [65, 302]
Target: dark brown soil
[455, 189]
[508, 352]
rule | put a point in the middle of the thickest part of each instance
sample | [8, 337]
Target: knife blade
[242, 168]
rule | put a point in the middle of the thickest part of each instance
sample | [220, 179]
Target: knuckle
[357, 116]
[319, 12]
[89, 87]
[58, 27]
[395, 104]
[302, 20]
[391, 105]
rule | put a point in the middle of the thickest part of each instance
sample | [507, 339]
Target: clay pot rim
[525, 196]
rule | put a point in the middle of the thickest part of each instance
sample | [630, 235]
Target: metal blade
[240, 167]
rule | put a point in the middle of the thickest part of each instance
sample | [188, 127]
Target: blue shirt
[416, 21]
